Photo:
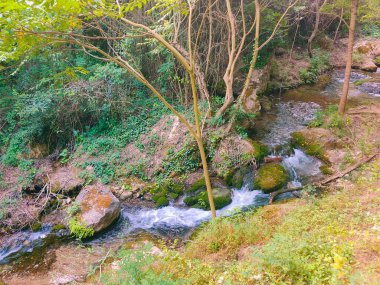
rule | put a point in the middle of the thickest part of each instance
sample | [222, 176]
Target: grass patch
[316, 240]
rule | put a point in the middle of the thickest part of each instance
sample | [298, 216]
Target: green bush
[318, 64]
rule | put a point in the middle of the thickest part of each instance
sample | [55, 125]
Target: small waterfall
[301, 166]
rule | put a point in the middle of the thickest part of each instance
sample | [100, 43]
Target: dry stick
[327, 180]
[348, 170]
[376, 112]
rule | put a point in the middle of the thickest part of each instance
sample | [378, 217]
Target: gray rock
[99, 207]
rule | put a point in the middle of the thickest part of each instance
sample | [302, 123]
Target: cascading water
[301, 166]
[23, 242]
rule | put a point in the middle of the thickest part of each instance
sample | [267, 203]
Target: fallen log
[282, 191]
[325, 181]
[348, 170]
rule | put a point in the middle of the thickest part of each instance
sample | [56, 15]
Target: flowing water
[290, 112]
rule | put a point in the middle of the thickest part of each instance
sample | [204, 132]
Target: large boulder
[197, 194]
[365, 64]
[271, 177]
[366, 51]
[234, 152]
[98, 207]
[66, 180]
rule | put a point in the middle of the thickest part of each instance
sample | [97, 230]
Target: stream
[47, 257]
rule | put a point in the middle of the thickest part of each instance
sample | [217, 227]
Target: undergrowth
[318, 64]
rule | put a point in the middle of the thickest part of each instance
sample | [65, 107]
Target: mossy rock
[271, 177]
[236, 179]
[199, 198]
[36, 227]
[234, 152]
[310, 146]
[259, 150]
[168, 189]
[197, 185]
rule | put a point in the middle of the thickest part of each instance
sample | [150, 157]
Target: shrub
[318, 64]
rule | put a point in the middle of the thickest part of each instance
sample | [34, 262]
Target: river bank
[289, 113]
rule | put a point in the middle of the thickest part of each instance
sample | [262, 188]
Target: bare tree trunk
[228, 75]
[316, 27]
[255, 50]
[337, 28]
[199, 139]
[210, 27]
[350, 46]
[295, 36]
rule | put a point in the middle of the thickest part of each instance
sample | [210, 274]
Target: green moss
[221, 202]
[79, 230]
[271, 177]
[377, 61]
[360, 82]
[201, 183]
[325, 169]
[260, 150]
[310, 147]
[191, 200]
[36, 227]
[162, 202]
[167, 189]
[58, 227]
[222, 197]
[236, 178]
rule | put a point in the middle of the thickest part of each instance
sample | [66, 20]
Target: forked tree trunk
[350, 46]
[316, 27]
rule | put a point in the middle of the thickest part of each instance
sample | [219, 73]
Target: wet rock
[162, 193]
[237, 178]
[198, 195]
[271, 177]
[126, 195]
[98, 207]
[266, 103]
